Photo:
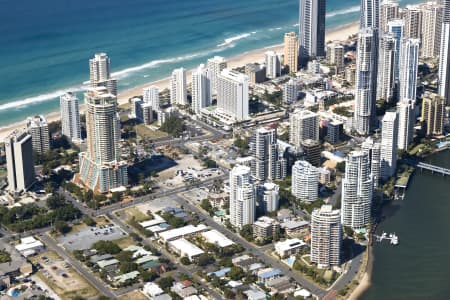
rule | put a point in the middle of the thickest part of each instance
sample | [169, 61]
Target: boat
[394, 239]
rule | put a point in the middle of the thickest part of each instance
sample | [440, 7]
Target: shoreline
[338, 33]
[366, 280]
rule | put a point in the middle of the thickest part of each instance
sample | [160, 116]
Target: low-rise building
[185, 248]
[324, 175]
[247, 263]
[155, 221]
[181, 232]
[280, 285]
[107, 263]
[151, 289]
[122, 278]
[184, 289]
[289, 247]
[266, 228]
[295, 228]
[29, 246]
[162, 297]
[17, 266]
[254, 294]
[217, 238]
[267, 274]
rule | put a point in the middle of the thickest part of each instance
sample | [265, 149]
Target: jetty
[392, 237]
[434, 169]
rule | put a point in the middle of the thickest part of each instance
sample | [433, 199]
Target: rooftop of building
[178, 232]
[186, 247]
[215, 237]
[292, 224]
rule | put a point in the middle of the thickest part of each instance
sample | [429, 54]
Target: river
[419, 267]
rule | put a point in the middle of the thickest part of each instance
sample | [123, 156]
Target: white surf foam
[231, 40]
[39, 98]
[351, 9]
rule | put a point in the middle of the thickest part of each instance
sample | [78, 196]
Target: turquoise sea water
[45, 45]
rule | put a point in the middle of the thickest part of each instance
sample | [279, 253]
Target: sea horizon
[32, 85]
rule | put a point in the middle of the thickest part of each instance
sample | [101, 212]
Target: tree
[115, 197]
[49, 189]
[217, 185]
[125, 256]
[206, 205]
[172, 220]
[236, 273]
[348, 231]
[127, 267]
[4, 256]
[104, 247]
[165, 282]
[241, 144]
[209, 163]
[247, 232]
[229, 294]
[62, 226]
[173, 126]
[148, 276]
[55, 201]
[204, 260]
[340, 167]
[89, 221]
[226, 262]
[185, 260]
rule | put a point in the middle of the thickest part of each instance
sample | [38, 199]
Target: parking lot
[61, 278]
[196, 195]
[86, 236]
[157, 204]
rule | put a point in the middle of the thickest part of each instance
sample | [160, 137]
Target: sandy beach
[363, 285]
[339, 33]
[365, 281]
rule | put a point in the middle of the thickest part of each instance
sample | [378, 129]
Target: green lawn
[147, 133]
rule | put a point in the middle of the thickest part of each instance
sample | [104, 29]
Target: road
[351, 271]
[258, 252]
[208, 220]
[214, 133]
[108, 209]
[94, 281]
[180, 267]
[336, 195]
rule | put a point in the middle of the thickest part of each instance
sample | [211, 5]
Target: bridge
[434, 169]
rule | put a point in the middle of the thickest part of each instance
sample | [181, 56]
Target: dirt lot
[188, 164]
[133, 295]
[157, 204]
[137, 213]
[62, 278]
[124, 242]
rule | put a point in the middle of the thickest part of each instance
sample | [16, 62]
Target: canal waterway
[419, 267]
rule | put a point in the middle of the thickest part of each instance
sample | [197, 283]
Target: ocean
[46, 45]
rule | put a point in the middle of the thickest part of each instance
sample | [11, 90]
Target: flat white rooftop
[28, 243]
[217, 238]
[186, 247]
[289, 244]
[176, 233]
[156, 221]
